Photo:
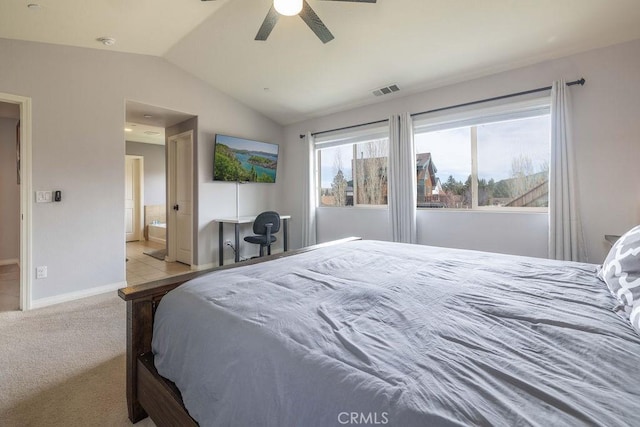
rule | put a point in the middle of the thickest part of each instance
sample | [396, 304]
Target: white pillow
[621, 268]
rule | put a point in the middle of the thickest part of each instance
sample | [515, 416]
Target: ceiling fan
[301, 8]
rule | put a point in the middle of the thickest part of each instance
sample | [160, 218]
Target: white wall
[78, 147]
[509, 233]
[607, 136]
[9, 193]
[368, 223]
[154, 171]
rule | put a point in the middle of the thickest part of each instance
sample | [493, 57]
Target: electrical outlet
[41, 272]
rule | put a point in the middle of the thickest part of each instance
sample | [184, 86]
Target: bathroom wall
[154, 170]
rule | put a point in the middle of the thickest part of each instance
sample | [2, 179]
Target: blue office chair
[265, 226]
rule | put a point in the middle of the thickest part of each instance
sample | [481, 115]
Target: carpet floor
[64, 365]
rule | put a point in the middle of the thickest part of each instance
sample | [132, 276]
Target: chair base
[262, 249]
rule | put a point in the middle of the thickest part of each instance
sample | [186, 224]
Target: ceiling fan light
[288, 7]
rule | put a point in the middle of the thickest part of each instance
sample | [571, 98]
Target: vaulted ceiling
[292, 76]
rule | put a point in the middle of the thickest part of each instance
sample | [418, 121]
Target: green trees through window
[500, 160]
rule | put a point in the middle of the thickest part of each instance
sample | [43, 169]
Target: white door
[132, 197]
[182, 206]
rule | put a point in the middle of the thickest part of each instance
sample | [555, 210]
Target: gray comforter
[377, 333]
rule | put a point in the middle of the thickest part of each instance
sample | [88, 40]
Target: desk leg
[285, 229]
[220, 245]
[237, 231]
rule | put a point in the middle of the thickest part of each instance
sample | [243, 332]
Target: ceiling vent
[386, 90]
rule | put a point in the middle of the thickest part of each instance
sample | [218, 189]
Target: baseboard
[157, 240]
[9, 261]
[72, 296]
[204, 266]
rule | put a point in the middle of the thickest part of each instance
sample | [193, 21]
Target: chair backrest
[266, 218]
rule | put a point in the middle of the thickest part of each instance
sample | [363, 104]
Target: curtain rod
[496, 98]
[580, 82]
[346, 127]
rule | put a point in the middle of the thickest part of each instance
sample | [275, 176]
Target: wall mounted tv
[242, 160]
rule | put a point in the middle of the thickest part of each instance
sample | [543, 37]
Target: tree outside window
[366, 161]
[500, 164]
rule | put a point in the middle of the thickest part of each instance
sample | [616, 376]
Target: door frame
[26, 202]
[140, 201]
[172, 226]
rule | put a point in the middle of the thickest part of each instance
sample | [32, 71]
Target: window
[494, 158]
[352, 166]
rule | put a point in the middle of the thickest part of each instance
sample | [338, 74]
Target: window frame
[471, 118]
[353, 137]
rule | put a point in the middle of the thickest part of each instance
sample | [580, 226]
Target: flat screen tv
[242, 160]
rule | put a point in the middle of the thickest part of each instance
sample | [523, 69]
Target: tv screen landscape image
[243, 160]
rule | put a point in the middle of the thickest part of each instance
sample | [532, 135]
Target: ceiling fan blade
[267, 25]
[353, 1]
[315, 23]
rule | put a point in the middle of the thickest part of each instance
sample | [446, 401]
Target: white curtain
[565, 233]
[309, 193]
[402, 179]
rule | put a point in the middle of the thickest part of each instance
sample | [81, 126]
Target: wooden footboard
[160, 397]
[142, 301]
[147, 392]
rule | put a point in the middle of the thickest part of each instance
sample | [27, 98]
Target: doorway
[9, 208]
[15, 203]
[148, 130]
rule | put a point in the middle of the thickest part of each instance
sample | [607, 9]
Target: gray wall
[606, 129]
[9, 192]
[154, 171]
[78, 147]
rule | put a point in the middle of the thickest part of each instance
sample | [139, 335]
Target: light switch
[43, 196]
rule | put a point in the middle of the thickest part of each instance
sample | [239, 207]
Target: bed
[370, 333]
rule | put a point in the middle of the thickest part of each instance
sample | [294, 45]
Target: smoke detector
[107, 41]
[386, 90]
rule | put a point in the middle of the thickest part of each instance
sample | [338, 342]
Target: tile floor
[143, 268]
[9, 287]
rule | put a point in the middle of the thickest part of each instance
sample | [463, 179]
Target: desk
[236, 221]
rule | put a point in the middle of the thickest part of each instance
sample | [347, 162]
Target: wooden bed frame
[148, 393]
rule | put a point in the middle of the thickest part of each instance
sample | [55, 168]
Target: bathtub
[158, 232]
